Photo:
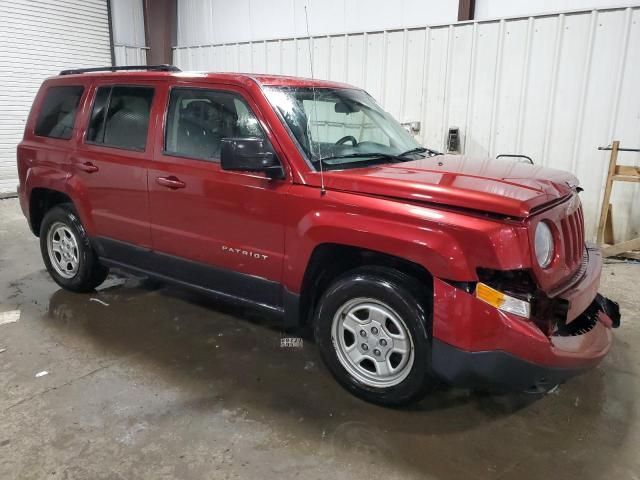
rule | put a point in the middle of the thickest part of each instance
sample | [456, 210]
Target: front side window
[58, 112]
[199, 119]
[120, 117]
[342, 128]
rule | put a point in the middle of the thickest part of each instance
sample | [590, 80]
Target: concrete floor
[153, 382]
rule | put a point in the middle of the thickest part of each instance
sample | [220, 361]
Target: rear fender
[48, 177]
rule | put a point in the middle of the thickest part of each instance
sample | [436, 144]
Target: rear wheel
[67, 251]
[372, 330]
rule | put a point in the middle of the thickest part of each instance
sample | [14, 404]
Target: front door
[217, 229]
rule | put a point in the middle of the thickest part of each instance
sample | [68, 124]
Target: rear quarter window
[58, 112]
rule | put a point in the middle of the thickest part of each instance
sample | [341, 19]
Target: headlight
[544, 244]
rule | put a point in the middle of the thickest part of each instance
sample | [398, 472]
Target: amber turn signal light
[502, 301]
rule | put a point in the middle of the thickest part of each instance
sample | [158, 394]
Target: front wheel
[372, 329]
[67, 251]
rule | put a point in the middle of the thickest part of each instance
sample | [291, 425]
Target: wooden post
[620, 173]
[466, 10]
[622, 247]
[609, 237]
[613, 161]
[160, 20]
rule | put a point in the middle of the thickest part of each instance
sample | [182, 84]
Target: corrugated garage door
[38, 38]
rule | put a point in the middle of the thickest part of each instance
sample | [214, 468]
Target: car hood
[489, 185]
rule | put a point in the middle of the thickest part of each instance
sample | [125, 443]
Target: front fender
[449, 245]
[434, 249]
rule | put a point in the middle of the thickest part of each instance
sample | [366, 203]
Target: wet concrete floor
[148, 381]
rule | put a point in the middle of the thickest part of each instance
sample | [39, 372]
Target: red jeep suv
[304, 198]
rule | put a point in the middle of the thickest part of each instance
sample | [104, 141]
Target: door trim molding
[228, 285]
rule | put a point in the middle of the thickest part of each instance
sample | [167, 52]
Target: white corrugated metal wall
[38, 38]
[487, 9]
[221, 21]
[554, 87]
[129, 43]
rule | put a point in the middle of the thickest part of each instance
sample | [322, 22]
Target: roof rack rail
[153, 68]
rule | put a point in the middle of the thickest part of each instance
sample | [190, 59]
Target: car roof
[224, 77]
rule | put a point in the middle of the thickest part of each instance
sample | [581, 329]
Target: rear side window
[120, 117]
[58, 112]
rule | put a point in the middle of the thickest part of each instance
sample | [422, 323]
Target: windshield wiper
[378, 156]
[431, 152]
[374, 156]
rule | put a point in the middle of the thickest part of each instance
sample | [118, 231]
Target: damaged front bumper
[506, 371]
[477, 346]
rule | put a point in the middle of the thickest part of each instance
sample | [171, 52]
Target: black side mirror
[250, 155]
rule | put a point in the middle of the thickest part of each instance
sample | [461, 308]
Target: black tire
[411, 300]
[90, 273]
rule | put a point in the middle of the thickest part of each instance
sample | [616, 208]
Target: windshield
[342, 128]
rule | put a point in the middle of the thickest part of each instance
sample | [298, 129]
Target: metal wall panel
[554, 87]
[128, 55]
[127, 18]
[486, 9]
[38, 38]
[221, 21]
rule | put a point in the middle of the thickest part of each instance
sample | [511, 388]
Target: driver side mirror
[250, 155]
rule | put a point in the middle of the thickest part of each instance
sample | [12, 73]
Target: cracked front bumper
[476, 345]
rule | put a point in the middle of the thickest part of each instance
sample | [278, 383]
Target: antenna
[315, 110]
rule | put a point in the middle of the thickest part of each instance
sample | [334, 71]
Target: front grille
[581, 325]
[573, 237]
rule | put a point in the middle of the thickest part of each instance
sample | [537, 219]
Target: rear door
[229, 226]
[112, 160]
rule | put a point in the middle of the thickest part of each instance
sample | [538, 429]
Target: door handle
[170, 182]
[87, 167]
